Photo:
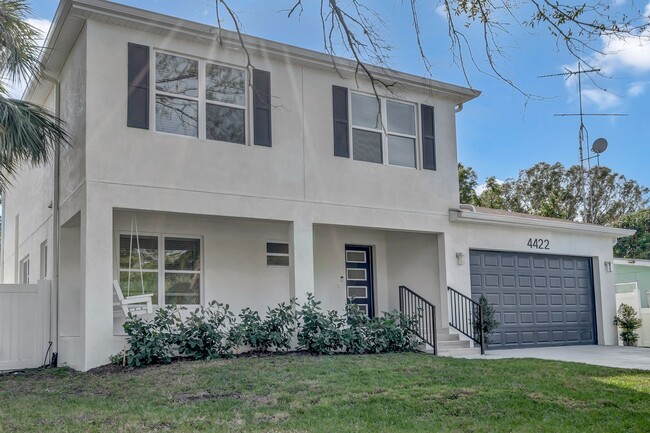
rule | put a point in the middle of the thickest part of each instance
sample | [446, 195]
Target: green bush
[206, 333]
[490, 323]
[320, 333]
[276, 331]
[627, 321]
[151, 341]
[213, 332]
[392, 332]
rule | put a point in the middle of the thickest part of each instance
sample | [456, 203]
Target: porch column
[301, 234]
[97, 266]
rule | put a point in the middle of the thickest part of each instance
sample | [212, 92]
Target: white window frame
[43, 265]
[383, 130]
[161, 271]
[23, 277]
[288, 254]
[201, 99]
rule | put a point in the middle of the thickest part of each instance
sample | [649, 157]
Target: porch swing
[139, 304]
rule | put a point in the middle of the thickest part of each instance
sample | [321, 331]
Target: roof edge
[117, 11]
[461, 215]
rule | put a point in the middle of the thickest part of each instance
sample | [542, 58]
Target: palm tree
[28, 133]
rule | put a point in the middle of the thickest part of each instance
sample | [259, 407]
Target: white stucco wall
[298, 167]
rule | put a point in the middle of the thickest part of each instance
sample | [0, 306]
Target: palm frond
[28, 134]
[20, 52]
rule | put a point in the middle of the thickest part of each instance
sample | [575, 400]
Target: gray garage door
[541, 300]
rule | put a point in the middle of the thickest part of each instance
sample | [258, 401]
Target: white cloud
[617, 3]
[43, 26]
[628, 53]
[482, 187]
[637, 88]
[601, 98]
[441, 10]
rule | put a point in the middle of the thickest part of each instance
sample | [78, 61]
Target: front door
[359, 277]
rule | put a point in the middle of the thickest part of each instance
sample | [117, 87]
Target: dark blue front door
[359, 277]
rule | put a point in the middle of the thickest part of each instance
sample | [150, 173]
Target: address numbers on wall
[538, 244]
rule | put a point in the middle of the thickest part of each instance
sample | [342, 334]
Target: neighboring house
[633, 288]
[253, 188]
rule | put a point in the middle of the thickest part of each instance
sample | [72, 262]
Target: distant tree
[638, 245]
[554, 191]
[467, 183]
[493, 194]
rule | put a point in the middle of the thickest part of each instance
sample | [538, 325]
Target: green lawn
[381, 393]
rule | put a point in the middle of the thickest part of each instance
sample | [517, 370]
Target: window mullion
[202, 99]
[384, 132]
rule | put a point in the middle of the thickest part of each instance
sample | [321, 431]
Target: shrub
[275, 331]
[206, 333]
[627, 321]
[151, 341]
[320, 333]
[355, 338]
[489, 322]
[393, 332]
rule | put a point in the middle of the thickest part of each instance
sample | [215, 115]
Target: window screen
[367, 146]
[277, 254]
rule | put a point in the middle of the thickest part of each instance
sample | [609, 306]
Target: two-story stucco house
[194, 179]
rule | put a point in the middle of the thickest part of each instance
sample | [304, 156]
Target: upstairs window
[177, 95]
[200, 99]
[386, 136]
[225, 109]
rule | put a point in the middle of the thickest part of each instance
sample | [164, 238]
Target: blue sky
[498, 133]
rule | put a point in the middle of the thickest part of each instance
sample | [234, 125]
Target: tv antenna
[599, 146]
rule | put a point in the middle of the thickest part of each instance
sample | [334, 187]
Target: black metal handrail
[466, 315]
[424, 312]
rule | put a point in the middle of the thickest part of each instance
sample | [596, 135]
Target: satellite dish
[599, 146]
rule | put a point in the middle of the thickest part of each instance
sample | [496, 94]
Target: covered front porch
[191, 260]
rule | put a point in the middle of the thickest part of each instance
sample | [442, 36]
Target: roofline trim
[463, 216]
[116, 11]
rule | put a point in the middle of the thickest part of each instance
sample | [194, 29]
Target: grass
[382, 393]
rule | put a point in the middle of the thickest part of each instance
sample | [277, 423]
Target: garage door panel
[543, 300]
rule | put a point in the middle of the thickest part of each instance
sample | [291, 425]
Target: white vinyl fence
[628, 293]
[24, 324]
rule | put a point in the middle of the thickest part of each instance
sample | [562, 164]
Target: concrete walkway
[608, 356]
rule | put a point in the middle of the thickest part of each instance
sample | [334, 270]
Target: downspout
[54, 326]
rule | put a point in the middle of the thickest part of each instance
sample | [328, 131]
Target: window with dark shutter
[138, 87]
[428, 138]
[340, 113]
[262, 108]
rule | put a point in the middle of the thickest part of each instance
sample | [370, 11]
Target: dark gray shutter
[428, 138]
[261, 107]
[340, 112]
[137, 112]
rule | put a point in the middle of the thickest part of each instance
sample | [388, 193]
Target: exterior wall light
[608, 266]
[459, 258]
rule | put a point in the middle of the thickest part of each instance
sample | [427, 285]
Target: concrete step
[460, 352]
[447, 337]
[453, 344]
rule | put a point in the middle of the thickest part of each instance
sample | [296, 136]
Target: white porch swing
[135, 304]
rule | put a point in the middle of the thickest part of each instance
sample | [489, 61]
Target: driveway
[608, 356]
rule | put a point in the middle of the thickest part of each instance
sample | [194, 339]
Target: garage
[540, 299]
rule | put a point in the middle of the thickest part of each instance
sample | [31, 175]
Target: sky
[500, 132]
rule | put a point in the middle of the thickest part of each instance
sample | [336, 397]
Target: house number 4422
[538, 244]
